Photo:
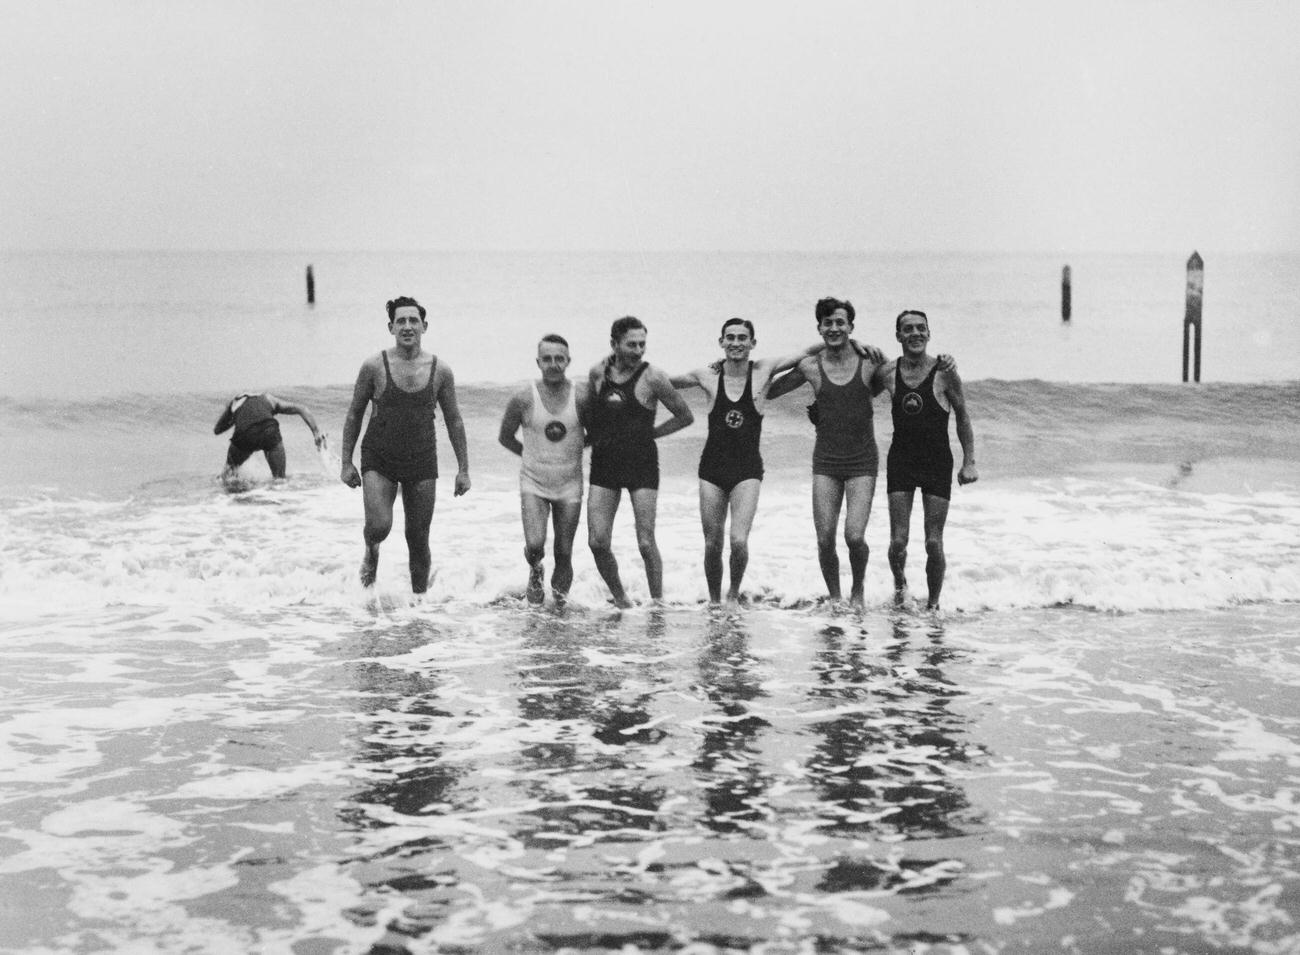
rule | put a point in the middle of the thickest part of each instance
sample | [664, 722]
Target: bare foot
[536, 592]
[369, 566]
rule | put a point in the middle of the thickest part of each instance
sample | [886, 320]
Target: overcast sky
[1036, 126]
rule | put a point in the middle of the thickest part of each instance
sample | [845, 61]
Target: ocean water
[215, 741]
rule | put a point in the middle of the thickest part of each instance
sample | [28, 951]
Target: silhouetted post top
[1196, 262]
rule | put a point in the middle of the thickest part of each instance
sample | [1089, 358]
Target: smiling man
[626, 391]
[731, 465]
[845, 459]
[403, 385]
[924, 392]
[550, 413]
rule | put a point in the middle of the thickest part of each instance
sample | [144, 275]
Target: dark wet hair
[624, 325]
[829, 306]
[401, 302]
[554, 339]
[738, 321]
[898, 322]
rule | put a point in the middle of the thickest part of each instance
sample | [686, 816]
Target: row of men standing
[549, 422]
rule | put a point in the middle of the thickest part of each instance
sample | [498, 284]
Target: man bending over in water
[253, 418]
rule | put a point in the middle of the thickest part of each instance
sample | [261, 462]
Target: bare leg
[534, 511]
[377, 494]
[744, 504]
[276, 461]
[645, 504]
[713, 519]
[828, 495]
[936, 516]
[602, 505]
[564, 515]
[858, 492]
[417, 501]
[900, 519]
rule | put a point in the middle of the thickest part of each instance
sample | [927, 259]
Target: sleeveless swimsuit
[919, 455]
[400, 442]
[623, 450]
[731, 453]
[552, 458]
[846, 442]
[255, 428]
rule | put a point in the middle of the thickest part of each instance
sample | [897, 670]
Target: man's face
[630, 349]
[913, 333]
[553, 360]
[407, 326]
[835, 328]
[735, 341]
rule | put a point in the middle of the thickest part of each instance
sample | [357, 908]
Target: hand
[320, 440]
[715, 366]
[946, 363]
[967, 474]
[349, 476]
[869, 352]
[462, 482]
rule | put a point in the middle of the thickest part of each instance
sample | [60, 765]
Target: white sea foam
[1126, 547]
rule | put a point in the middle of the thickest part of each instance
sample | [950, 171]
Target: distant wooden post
[311, 287]
[1192, 314]
[1065, 294]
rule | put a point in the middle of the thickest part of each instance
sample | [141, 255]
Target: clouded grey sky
[853, 125]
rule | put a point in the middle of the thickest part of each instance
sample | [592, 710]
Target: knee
[739, 544]
[533, 554]
[598, 542]
[377, 529]
[898, 544]
[646, 544]
[934, 546]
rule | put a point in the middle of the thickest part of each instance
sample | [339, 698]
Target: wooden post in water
[311, 287]
[1192, 314]
[1065, 294]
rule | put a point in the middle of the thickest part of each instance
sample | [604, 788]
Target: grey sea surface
[427, 778]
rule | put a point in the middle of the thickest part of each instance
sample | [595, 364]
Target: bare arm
[510, 423]
[882, 379]
[967, 474]
[288, 407]
[787, 383]
[692, 379]
[362, 392]
[682, 416]
[455, 427]
[226, 421]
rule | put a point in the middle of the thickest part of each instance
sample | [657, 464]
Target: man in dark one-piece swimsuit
[403, 386]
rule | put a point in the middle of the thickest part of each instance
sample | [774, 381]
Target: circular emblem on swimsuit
[614, 399]
[555, 431]
[734, 418]
[912, 403]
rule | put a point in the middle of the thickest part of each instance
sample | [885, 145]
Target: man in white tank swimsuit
[550, 412]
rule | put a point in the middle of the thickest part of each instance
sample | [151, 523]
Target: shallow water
[440, 777]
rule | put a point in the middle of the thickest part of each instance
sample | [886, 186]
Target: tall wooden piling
[311, 287]
[1065, 294]
[1192, 314]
